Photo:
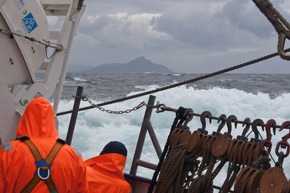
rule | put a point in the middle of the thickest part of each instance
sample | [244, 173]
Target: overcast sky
[192, 36]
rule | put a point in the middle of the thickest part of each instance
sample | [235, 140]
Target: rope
[190, 167]
[175, 159]
[177, 120]
[170, 172]
[248, 154]
[46, 43]
[206, 154]
[192, 164]
[266, 7]
[180, 83]
[232, 169]
[201, 185]
[280, 24]
[204, 183]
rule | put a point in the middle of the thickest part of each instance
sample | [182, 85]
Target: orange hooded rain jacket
[17, 163]
[105, 174]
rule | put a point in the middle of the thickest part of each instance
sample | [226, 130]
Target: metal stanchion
[74, 115]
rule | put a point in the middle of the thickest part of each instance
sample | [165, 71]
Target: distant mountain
[138, 65]
[78, 68]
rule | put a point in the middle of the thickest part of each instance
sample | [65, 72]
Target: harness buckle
[43, 169]
[40, 172]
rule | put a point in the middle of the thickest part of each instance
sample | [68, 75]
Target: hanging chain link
[114, 112]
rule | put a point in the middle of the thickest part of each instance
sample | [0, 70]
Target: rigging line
[58, 47]
[181, 83]
[273, 15]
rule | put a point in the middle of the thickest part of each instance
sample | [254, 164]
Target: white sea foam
[95, 128]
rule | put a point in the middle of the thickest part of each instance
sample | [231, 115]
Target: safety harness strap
[29, 187]
[53, 152]
[40, 168]
[32, 148]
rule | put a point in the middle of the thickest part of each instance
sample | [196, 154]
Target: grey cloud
[185, 35]
[229, 26]
[246, 16]
[194, 30]
[121, 29]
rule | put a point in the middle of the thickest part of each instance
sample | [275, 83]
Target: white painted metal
[27, 18]
[11, 60]
[8, 116]
[21, 59]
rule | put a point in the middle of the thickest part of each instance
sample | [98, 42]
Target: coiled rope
[204, 183]
[171, 172]
[233, 169]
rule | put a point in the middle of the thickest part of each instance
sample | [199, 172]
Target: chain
[114, 112]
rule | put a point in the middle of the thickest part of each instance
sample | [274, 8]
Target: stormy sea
[264, 96]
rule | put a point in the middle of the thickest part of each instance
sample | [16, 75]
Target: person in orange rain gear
[105, 172]
[37, 161]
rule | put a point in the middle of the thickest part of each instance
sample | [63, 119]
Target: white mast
[24, 30]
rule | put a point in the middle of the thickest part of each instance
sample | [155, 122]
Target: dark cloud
[196, 30]
[183, 35]
[244, 15]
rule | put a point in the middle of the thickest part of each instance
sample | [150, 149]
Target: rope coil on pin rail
[179, 119]
[171, 177]
[248, 179]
